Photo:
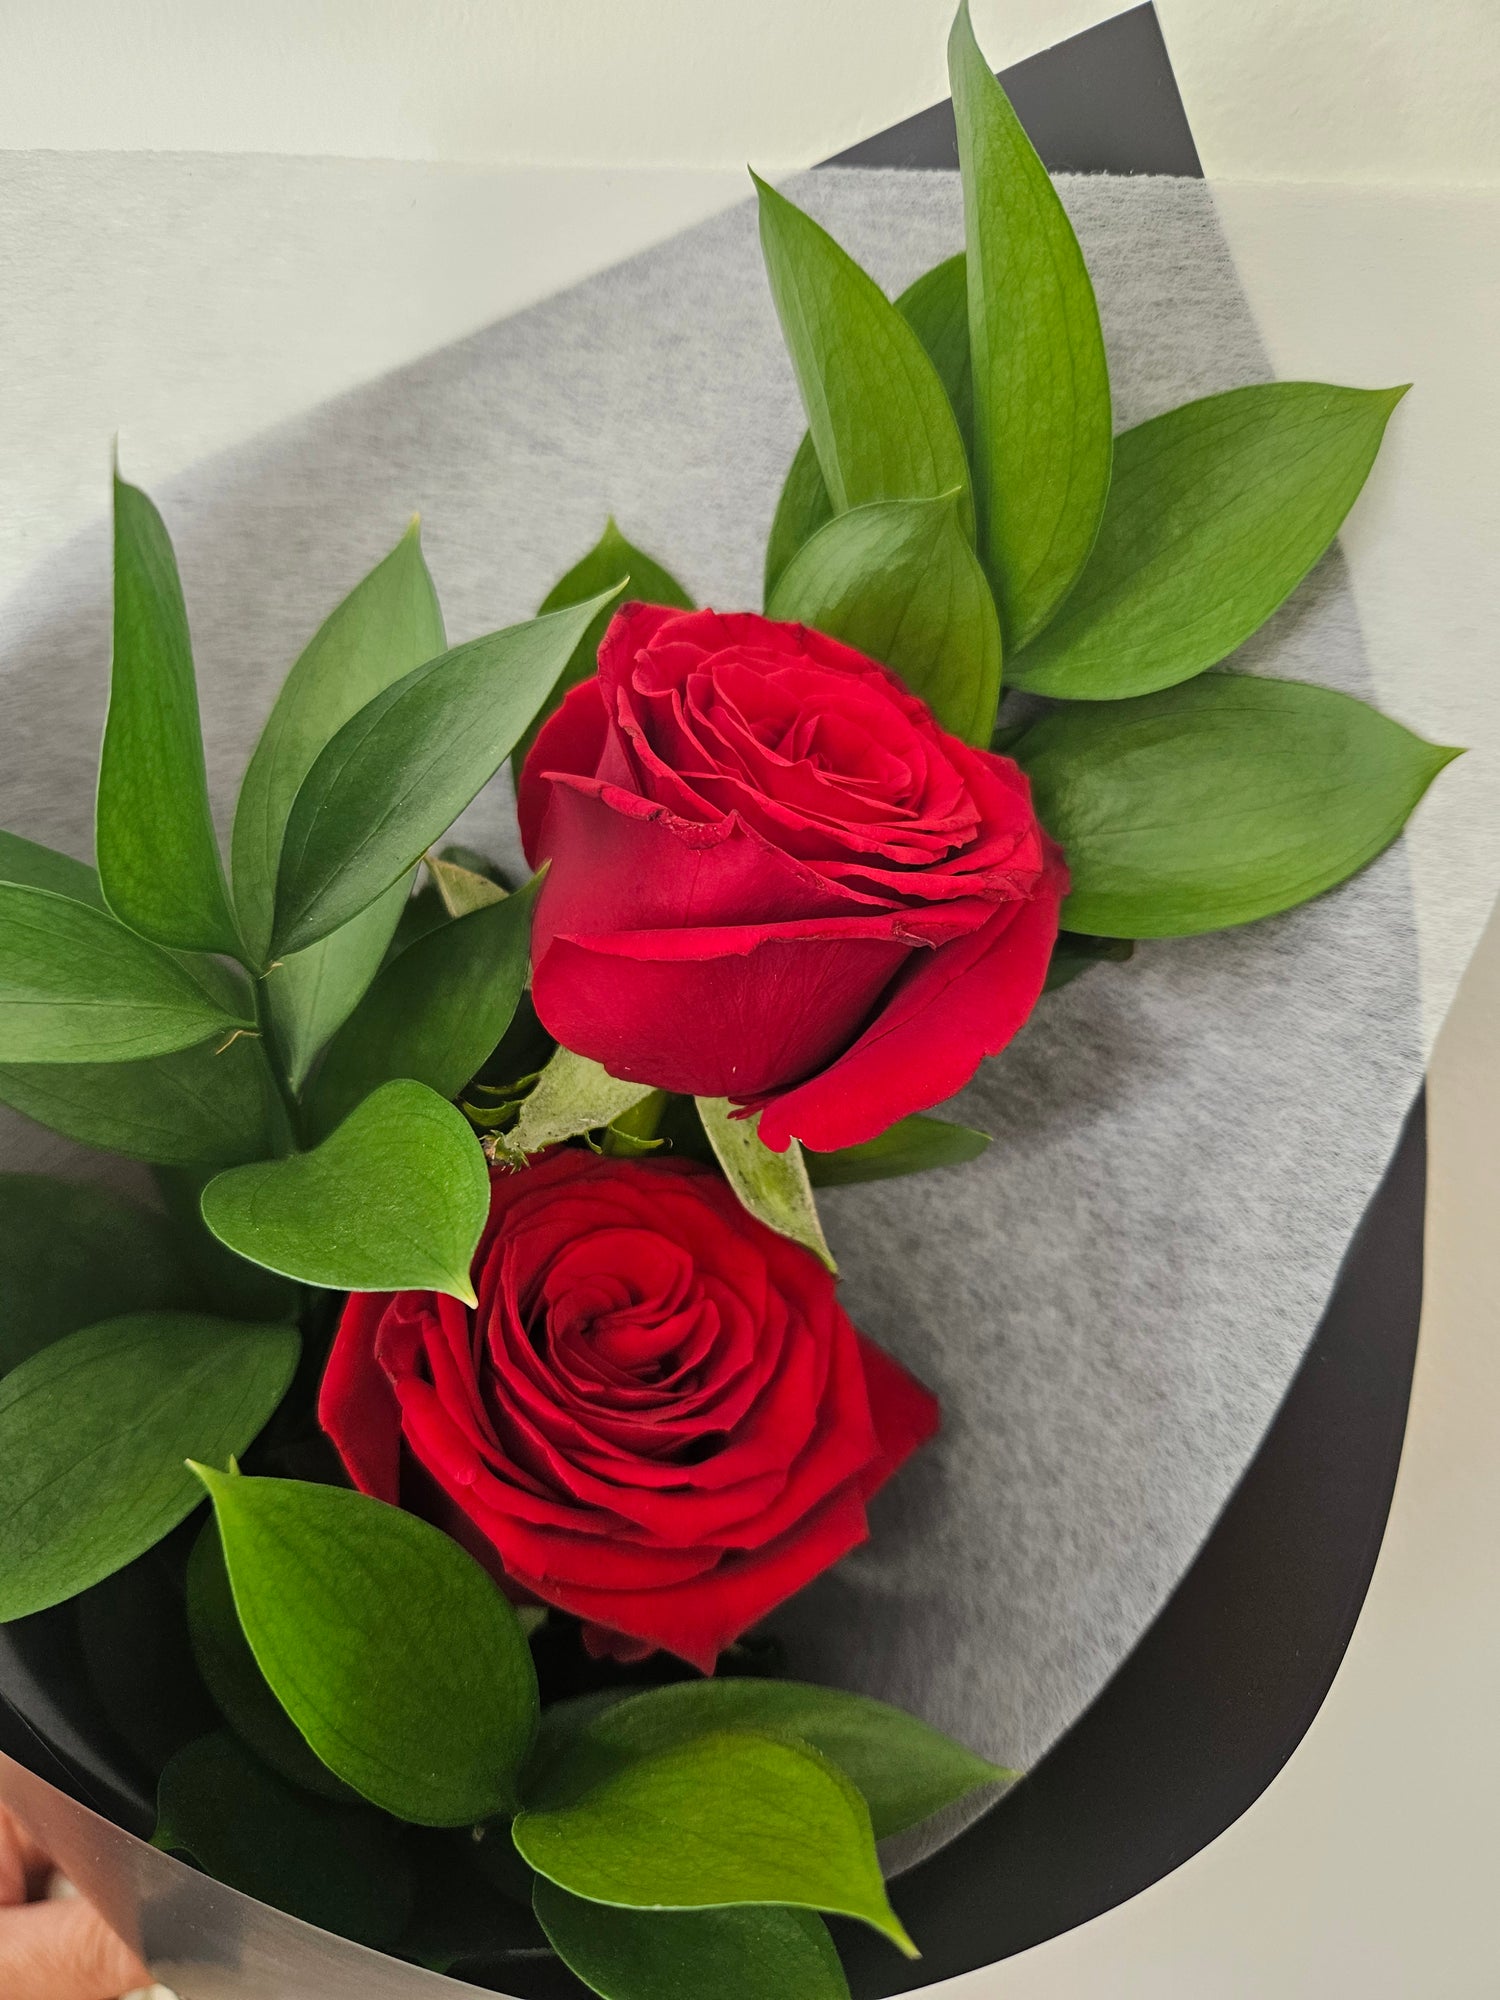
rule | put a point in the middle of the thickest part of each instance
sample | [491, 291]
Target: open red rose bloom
[658, 1418]
[774, 878]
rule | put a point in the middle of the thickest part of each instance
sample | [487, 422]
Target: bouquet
[479, 1386]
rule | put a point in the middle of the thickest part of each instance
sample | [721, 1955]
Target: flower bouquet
[480, 1388]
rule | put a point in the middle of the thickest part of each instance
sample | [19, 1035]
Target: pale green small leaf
[72, 1255]
[744, 1954]
[77, 986]
[572, 1096]
[392, 1651]
[898, 580]
[36, 867]
[312, 993]
[774, 1187]
[94, 1432]
[1218, 801]
[154, 835]
[462, 890]
[1216, 513]
[911, 1146]
[1042, 416]
[342, 1869]
[207, 1106]
[398, 773]
[392, 1201]
[388, 624]
[613, 562]
[437, 1012]
[720, 1819]
[880, 419]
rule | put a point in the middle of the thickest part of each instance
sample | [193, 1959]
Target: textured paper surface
[1110, 1304]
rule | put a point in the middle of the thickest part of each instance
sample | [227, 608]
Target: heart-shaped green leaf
[911, 1146]
[1216, 513]
[1218, 801]
[77, 986]
[94, 1432]
[898, 580]
[392, 1201]
[611, 563]
[751, 1954]
[573, 1095]
[341, 1869]
[397, 774]
[154, 835]
[436, 1012]
[71, 1256]
[880, 419]
[773, 1186]
[395, 1655]
[720, 1819]
[1042, 417]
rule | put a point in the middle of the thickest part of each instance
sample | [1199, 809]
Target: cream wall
[1365, 90]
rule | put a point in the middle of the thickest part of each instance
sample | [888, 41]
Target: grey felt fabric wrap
[1112, 1302]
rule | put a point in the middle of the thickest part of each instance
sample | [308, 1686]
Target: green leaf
[35, 867]
[389, 624]
[773, 1186]
[904, 1770]
[389, 1647]
[751, 1954]
[393, 1200]
[572, 1096]
[721, 1819]
[312, 993]
[1042, 418]
[936, 308]
[340, 1869]
[911, 1146]
[1216, 513]
[154, 834]
[436, 1013]
[462, 890]
[899, 581]
[1219, 801]
[76, 986]
[239, 1688]
[612, 563]
[880, 419]
[1074, 953]
[94, 1431]
[204, 1106]
[73, 1255]
[397, 775]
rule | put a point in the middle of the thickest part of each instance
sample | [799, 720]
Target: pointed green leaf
[341, 1869]
[751, 1954]
[35, 867]
[462, 890]
[1219, 801]
[1042, 418]
[612, 563]
[572, 1096]
[398, 773]
[392, 1201]
[94, 1432]
[1216, 513]
[899, 581]
[71, 1256]
[880, 419]
[437, 1012]
[904, 1770]
[389, 1647]
[911, 1146]
[312, 993]
[387, 625]
[76, 986]
[720, 1819]
[206, 1106]
[773, 1186]
[154, 835]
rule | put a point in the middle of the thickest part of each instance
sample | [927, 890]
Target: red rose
[659, 1418]
[775, 878]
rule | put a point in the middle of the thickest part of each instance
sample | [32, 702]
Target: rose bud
[659, 1418]
[774, 878]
